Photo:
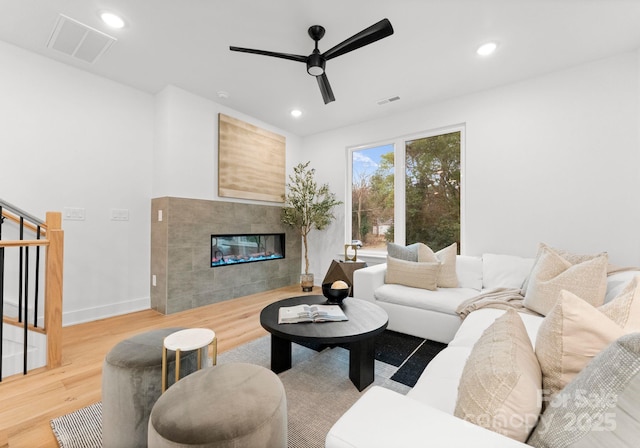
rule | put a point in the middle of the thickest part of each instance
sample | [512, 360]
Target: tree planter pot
[306, 281]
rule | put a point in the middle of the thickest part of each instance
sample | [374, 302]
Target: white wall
[72, 139]
[186, 155]
[551, 159]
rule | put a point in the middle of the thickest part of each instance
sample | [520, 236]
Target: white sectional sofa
[432, 314]
[424, 417]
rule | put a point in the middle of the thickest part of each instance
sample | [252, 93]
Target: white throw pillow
[505, 271]
[469, 272]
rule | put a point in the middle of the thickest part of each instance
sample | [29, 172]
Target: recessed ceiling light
[223, 95]
[295, 113]
[487, 49]
[111, 19]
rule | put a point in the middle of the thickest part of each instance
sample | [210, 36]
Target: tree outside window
[430, 212]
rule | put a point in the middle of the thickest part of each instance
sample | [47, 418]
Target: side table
[187, 340]
[343, 270]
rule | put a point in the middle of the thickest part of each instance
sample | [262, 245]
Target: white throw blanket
[502, 298]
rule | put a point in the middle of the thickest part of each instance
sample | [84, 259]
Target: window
[407, 191]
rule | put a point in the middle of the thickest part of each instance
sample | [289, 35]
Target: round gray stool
[131, 384]
[226, 406]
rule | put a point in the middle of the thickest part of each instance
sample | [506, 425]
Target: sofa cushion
[569, 337]
[475, 323]
[443, 300]
[469, 272]
[552, 273]
[382, 418]
[500, 388]
[504, 271]
[412, 273]
[599, 408]
[438, 384]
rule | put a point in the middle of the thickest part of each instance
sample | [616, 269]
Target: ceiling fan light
[315, 64]
[315, 71]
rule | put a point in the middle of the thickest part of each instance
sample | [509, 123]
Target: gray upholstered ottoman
[131, 384]
[227, 406]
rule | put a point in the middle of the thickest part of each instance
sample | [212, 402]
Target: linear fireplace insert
[246, 248]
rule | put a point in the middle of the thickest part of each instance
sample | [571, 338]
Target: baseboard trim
[102, 312]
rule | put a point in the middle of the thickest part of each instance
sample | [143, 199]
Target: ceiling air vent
[387, 100]
[78, 40]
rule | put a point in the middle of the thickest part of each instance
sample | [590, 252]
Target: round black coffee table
[366, 320]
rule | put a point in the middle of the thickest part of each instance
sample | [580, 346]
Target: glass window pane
[372, 197]
[432, 201]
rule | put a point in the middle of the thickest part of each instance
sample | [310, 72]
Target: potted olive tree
[307, 206]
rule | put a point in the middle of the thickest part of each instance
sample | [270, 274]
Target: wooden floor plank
[28, 403]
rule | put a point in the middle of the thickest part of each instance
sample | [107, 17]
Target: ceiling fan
[316, 61]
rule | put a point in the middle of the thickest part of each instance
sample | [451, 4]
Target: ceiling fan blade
[325, 88]
[367, 36]
[292, 57]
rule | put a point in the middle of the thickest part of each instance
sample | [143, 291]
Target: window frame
[399, 169]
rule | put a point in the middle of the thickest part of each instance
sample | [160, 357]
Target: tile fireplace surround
[181, 252]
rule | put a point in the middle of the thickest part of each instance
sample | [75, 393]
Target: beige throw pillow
[570, 257]
[501, 380]
[552, 273]
[447, 257]
[624, 309]
[412, 273]
[568, 338]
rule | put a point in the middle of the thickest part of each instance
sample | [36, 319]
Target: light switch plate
[73, 213]
[119, 214]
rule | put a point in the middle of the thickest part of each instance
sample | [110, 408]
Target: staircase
[31, 312]
[13, 351]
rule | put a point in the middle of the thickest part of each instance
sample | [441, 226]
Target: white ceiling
[430, 57]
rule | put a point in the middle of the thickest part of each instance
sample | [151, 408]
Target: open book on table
[310, 313]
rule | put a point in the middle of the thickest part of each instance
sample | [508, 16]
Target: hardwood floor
[27, 403]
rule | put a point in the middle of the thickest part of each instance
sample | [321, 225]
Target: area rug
[410, 354]
[80, 429]
[317, 387]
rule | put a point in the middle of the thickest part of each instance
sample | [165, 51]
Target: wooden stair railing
[53, 242]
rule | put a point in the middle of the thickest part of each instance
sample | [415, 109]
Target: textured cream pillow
[607, 415]
[447, 257]
[624, 309]
[570, 257]
[501, 380]
[412, 273]
[552, 273]
[568, 338]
